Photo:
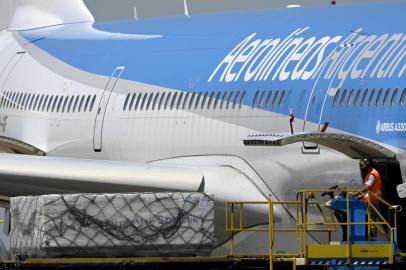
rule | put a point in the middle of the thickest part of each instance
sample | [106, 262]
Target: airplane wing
[353, 146]
[35, 175]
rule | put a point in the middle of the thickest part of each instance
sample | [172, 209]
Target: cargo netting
[112, 225]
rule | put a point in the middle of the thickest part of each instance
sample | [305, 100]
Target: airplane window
[126, 102]
[54, 104]
[34, 97]
[378, 97]
[23, 101]
[268, 99]
[235, 99]
[402, 98]
[4, 102]
[242, 98]
[371, 97]
[217, 100]
[261, 99]
[350, 97]
[50, 102]
[223, 99]
[144, 100]
[65, 103]
[229, 99]
[385, 98]
[161, 100]
[35, 103]
[255, 99]
[179, 101]
[394, 95]
[9, 96]
[275, 97]
[151, 95]
[20, 97]
[282, 97]
[81, 104]
[2, 99]
[364, 97]
[16, 101]
[343, 97]
[10, 103]
[138, 101]
[133, 96]
[75, 106]
[87, 103]
[40, 103]
[192, 98]
[70, 103]
[336, 97]
[12, 100]
[5, 99]
[9, 99]
[92, 103]
[59, 104]
[210, 100]
[168, 97]
[204, 99]
[154, 104]
[185, 101]
[174, 100]
[198, 100]
[45, 103]
[357, 97]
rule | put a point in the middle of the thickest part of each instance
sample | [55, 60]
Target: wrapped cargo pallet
[112, 225]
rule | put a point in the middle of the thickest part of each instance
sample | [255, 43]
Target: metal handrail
[303, 226]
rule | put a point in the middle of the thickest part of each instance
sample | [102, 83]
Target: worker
[371, 190]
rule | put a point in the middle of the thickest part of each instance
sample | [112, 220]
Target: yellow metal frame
[305, 198]
[303, 227]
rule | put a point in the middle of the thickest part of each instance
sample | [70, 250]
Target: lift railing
[235, 212]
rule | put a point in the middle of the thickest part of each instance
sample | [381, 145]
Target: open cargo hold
[112, 225]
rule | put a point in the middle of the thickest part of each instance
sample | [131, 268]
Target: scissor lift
[357, 250]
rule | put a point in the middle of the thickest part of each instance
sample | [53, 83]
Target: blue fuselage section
[342, 65]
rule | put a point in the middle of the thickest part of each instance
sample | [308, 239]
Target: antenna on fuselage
[186, 9]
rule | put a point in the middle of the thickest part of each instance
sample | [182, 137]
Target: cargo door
[101, 110]
[322, 92]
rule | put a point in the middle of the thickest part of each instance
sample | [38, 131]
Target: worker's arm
[369, 183]
[367, 186]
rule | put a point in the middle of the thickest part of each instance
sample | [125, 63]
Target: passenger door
[101, 110]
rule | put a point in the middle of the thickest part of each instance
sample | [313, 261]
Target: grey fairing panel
[350, 145]
[34, 175]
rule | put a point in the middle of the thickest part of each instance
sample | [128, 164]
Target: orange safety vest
[376, 189]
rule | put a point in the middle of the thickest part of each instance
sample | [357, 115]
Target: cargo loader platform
[350, 225]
